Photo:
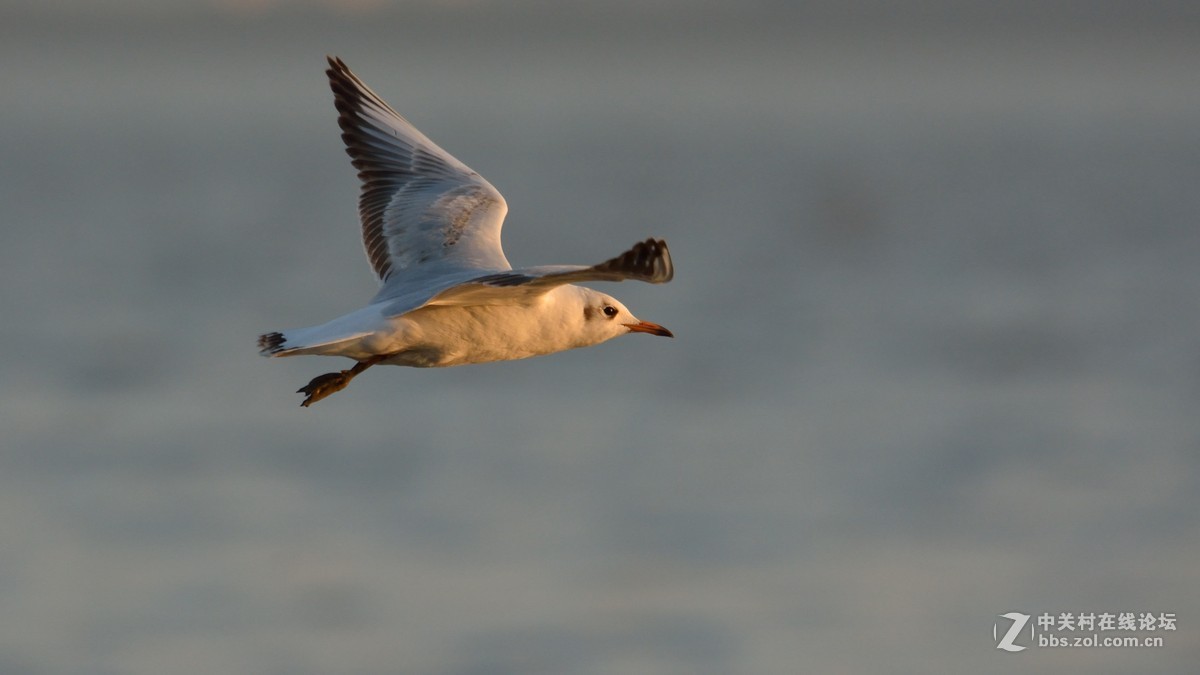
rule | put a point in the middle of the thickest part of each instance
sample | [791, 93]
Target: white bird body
[448, 296]
[437, 336]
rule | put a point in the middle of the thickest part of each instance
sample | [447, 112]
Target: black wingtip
[270, 344]
[660, 260]
[648, 261]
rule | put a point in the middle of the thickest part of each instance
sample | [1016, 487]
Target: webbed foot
[331, 383]
[324, 385]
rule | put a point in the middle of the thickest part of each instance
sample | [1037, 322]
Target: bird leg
[331, 383]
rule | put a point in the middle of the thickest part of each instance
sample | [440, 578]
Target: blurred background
[938, 352]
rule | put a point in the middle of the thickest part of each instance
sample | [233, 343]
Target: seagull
[447, 295]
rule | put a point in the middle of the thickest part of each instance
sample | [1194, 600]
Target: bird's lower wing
[648, 261]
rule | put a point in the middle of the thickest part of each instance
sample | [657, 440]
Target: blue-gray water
[938, 351]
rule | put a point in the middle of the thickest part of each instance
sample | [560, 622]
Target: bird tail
[317, 340]
[273, 344]
[340, 337]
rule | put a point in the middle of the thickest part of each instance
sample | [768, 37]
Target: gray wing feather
[648, 261]
[424, 213]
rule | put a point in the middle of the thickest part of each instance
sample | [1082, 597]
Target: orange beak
[647, 327]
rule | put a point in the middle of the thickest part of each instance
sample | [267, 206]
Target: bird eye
[610, 311]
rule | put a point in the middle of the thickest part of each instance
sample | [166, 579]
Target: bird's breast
[459, 335]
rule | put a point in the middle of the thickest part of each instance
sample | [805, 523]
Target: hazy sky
[936, 354]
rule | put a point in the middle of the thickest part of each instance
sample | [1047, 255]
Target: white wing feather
[424, 214]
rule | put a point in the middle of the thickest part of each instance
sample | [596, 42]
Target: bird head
[604, 318]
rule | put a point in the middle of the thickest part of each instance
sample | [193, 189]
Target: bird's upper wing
[425, 215]
[648, 261]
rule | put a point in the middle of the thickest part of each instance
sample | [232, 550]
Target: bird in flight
[447, 295]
